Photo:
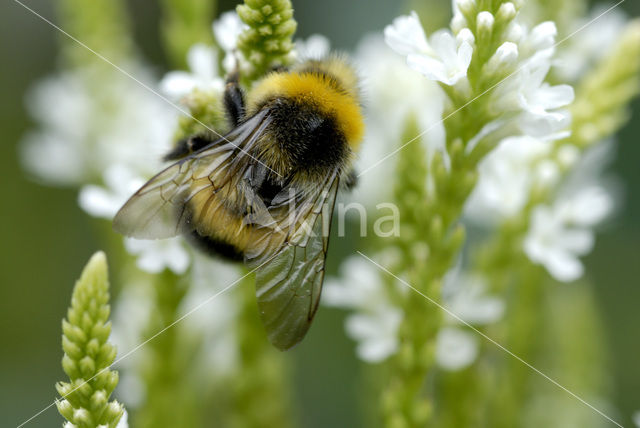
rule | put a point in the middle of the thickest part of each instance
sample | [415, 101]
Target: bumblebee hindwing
[288, 284]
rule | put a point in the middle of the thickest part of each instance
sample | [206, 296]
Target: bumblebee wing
[289, 281]
[159, 209]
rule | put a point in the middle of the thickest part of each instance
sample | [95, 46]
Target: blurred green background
[46, 238]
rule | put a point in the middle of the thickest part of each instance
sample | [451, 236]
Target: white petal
[455, 348]
[335, 294]
[406, 35]
[227, 29]
[563, 266]
[154, 256]
[515, 32]
[465, 53]
[552, 97]
[507, 11]
[124, 420]
[578, 241]
[480, 310]
[445, 47]
[465, 36]
[202, 61]
[463, 5]
[315, 46]
[374, 351]
[430, 67]
[542, 234]
[636, 419]
[150, 262]
[485, 20]
[588, 207]
[98, 201]
[543, 35]
[465, 296]
[506, 55]
[359, 286]
[178, 259]
[568, 155]
[177, 84]
[547, 173]
[458, 22]
[376, 333]
[543, 124]
[53, 158]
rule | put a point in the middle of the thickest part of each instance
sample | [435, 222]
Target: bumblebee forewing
[160, 208]
[289, 281]
[154, 211]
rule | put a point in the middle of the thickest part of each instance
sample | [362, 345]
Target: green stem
[102, 25]
[430, 239]
[185, 23]
[260, 388]
[522, 336]
[171, 398]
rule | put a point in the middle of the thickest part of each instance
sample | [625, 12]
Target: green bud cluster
[268, 39]
[88, 354]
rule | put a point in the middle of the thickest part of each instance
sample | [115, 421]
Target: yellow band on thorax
[314, 88]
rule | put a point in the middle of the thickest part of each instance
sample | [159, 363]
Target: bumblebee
[264, 193]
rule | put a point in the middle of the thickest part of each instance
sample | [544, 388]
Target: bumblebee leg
[186, 146]
[351, 180]
[234, 100]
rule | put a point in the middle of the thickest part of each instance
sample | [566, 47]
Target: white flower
[442, 58]
[120, 183]
[52, 159]
[375, 321]
[226, 30]
[118, 137]
[525, 90]
[154, 256]
[55, 153]
[316, 46]
[406, 35]
[465, 297]
[506, 177]
[539, 102]
[455, 348]
[95, 126]
[560, 234]
[376, 334]
[388, 107]
[203, 76]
